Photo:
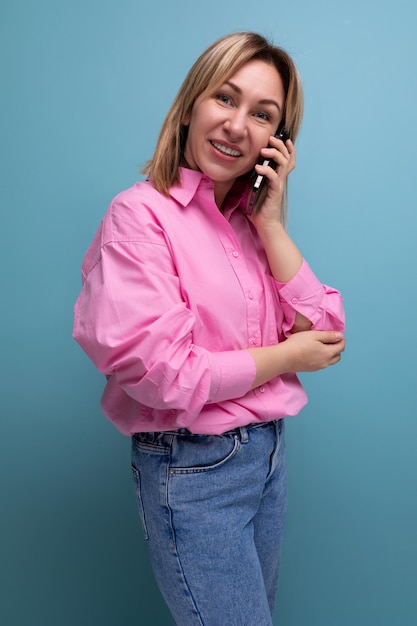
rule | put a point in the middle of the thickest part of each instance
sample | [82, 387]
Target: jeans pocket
[195, 454]
[136, 481]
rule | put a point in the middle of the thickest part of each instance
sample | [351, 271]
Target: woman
[200, 315]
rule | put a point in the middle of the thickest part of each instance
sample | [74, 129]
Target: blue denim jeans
[213, 510]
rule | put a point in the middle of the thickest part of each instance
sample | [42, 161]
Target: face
[226, 130]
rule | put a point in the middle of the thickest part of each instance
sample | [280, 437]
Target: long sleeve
[131, 321]
[305, 294]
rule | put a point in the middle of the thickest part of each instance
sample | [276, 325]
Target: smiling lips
[225, 150]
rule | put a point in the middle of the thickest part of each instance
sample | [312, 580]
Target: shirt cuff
[233, 374]
[304, 292]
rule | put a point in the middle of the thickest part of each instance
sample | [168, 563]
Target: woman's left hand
[284, 155]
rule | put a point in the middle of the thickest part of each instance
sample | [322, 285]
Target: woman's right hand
[305, 351]
[312, 350]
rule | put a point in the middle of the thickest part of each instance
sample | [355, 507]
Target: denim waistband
[234, 431]
[238, 429]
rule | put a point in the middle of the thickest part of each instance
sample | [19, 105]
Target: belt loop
[243, 434]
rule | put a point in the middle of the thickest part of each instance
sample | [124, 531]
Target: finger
[292, 151]
[275, 164]
[336, 359]
[267, 170]
[284, 154]
[287, 148]
[328, 336]
[279, 143]
[276, 151]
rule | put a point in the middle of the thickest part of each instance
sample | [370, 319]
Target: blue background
[85, 87]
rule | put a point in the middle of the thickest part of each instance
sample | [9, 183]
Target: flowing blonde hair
[211, 70]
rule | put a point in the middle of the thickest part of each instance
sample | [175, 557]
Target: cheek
[264, 140]
[261, 142]
[195, 131]
[256, 153]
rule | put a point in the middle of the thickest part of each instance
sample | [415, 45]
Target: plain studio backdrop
[85, 86]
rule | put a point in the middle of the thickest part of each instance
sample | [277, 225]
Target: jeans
[213, 509]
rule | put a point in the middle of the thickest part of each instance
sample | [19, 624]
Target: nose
[235, 124]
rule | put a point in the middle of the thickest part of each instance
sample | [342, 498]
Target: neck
[220, 193]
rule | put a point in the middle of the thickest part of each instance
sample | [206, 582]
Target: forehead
[257, 78]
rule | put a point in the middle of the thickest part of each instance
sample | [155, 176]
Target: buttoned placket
[238, 262]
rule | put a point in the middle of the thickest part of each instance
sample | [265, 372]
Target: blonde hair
[213, 67]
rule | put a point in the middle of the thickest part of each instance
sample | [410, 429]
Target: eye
[262, 115]
[223, 98]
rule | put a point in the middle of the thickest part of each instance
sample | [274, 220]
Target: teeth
[226, 150]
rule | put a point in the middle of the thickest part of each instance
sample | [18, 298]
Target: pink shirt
[173, 293]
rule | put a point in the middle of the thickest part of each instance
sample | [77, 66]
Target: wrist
[270, 230]
[270, 362]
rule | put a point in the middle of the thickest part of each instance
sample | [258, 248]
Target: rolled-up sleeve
[132, 322]
[305, 294]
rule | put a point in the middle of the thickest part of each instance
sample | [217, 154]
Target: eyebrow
[263, 101]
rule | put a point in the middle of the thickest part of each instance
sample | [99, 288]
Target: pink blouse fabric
[173, 294]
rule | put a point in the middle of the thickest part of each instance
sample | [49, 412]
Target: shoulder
[135, 213]
[131, 219]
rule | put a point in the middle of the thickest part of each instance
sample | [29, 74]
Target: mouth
[225, 149]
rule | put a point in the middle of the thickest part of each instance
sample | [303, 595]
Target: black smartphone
[260, 180]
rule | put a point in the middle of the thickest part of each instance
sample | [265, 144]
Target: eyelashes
[263, 115]
[227, 100]
[224, 98]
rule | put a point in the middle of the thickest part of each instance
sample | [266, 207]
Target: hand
[313, 350]
[306, 351]
[284, 154]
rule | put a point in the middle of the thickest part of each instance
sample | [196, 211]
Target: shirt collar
[184, 191]
[190, 181]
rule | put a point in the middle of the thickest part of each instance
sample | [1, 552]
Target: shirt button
[262, 389]
[235, 253]
[294, 300]
[253, 341]
[250, 295]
